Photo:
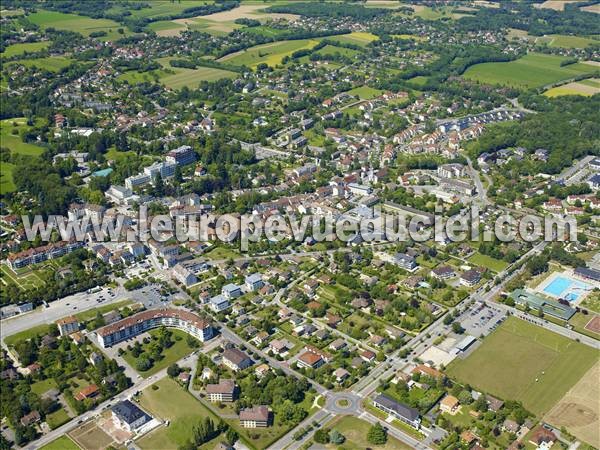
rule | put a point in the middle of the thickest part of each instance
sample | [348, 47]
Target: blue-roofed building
[254, 282]
[231, 291]
[103, 172]
[129, 416]
[219, 303]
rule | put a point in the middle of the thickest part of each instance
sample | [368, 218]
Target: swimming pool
[567, 288]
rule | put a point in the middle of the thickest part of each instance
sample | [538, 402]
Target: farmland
[583, 87]
[78, 24]
[520, 361]
[26, 47]
[271, 54]
[50, 63]
[357, 38]
[532, 70]
[561, 40]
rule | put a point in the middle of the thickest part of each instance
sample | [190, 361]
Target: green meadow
[79, 24]
[271, 54]
[25, 47]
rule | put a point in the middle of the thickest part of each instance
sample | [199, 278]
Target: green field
[564, 41]
[79, 24]
[160, 8]
[26, 278]
[6, 179]
[13, 141]
[357, 38]
[178, 350]
[62, 443]
[511, 359]
[50, 63]
[177, 77]
[332, 49]
[57, 418]
[174, 403]
[41, 387]
[29, 47]
[365, 92]
[271, 54]
[530, 71]
[355, 431]
[496, 265]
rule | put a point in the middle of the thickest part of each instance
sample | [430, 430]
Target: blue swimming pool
[567, 288]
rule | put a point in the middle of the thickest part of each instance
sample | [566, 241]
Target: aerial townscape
[295, 224]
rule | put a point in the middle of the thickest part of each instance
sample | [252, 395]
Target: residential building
[129, 416]
[449, 404]
[398, 410]
[255, 417]
[231, 291]
[224, 391]
[236, 359]
[67, 325]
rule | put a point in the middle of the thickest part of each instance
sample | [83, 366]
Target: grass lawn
[357, 38]
[355, 431]
[178, 350]
[27, 334]
[332, 49]
[591, 302]
[91, 313]
[40, 387]
[13, 141]
[271, 54]
[221, 253]
[488, 262]
[365, 92]
[579, 321]
[50, 63]
[57, 418]
[62, 443]
[177, 77]
[25, 47]
[532, 70]
[78, 24]
[172, 402]
[510, 360]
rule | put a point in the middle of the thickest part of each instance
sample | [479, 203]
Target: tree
[321, 436]
[377, 435]
[457, 328]
[173, 370]
[335, 437]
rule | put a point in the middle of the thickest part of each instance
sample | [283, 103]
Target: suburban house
[67, 325]
[236, 359]
[231, 291]
[449, 404]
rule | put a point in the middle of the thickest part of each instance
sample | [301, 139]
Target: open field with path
[271, 54]
[78, 24]
[587, 88]
[520, 361]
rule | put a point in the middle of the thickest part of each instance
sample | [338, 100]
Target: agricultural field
[79, 24]
[171, 402]
[62, 443]
[159, 8]
[579, 410]
[564, 41]
[271, 54]
[586, 88]
[176, 77]
[530, 71]
[523, 362]
[355, 431]
[50, 63]
[357, 38]
[332, 49]
[26, 47]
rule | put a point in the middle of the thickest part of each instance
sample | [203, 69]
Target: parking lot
[481, 319]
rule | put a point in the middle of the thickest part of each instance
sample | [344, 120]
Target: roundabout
[343, 403]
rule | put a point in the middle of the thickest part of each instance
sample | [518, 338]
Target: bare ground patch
[247, 11]
[558, 5]
[579, 409]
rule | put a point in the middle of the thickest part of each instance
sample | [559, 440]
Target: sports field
[584, 87]
[530, 71]
[513, 357]
[171, 402]
[79, 24]
[579, 409]
[271, 54]
[29, 47]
